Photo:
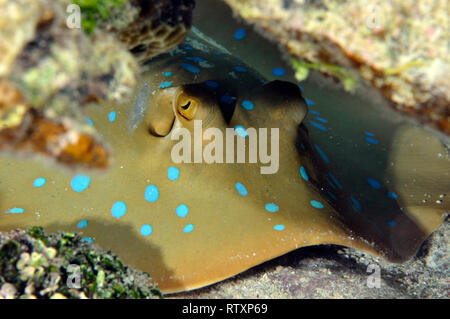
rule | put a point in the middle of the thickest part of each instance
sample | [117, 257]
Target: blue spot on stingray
[82, 223]
[321, 119]
[188, 228]
[228, 99]
[356, 205]
[191, 68]
[334, 179]
[151, 193]
[182, 210]
[316, 204]
[188, 48]
[39, 182]
[301, 89]
[332, 195]
[374, 183]
[279, 227]
[392, 195]
[80, 182]
[165, 85]
[314, 112]
[168, 74]
[392, 223]
[271, 207]
[318, 125]
[330, 183]
[248, 105]
[88, 239]
[371, 140]
[321, 153]
[304, 174]
[241, 189]
[119, 209]
[173, 173]
[240, 69]
[146, 230]
[218, 54]
[309, 102]
[240, 34]
[212, 84]
[112, 116]
[89, 121]
[279, 72]
[240, 130]
[369, 134]
[194, 58]
[15, 210]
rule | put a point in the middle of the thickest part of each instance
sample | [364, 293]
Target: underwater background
[362, 176]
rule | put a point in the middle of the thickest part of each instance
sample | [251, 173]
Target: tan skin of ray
[426, 184]
[232, 233]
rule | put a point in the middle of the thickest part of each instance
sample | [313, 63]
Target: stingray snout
[160, 116]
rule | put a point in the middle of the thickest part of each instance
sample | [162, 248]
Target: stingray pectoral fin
[379, 216]
[277, 104]
[160, 115]
[422, 186]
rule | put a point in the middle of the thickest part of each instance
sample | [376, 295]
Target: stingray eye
[187, 106]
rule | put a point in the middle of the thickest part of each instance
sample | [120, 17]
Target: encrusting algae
[34, 265]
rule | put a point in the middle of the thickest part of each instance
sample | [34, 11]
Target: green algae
[38, 233]
[93, 10]
[402, 68]
[41, 266]
[302, 70]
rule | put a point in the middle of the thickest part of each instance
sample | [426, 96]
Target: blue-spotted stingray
[194, 224]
